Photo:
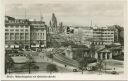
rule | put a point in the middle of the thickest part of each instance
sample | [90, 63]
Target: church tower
[54, 23]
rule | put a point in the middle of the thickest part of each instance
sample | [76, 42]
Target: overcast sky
[70, 12]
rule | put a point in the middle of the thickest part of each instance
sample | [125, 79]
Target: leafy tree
[9, 63]
[92, 49]
[83, 62]
[100, 65]
[26, 47]
[90, 59]
[52, 68]
[29, 63]
[67, 43]
[21, 46]
[51, 56]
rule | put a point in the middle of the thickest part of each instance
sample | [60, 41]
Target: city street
[64, 38]
[42, 61]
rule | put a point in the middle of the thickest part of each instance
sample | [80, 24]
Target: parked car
[92, 67]
[114, 72]
[75, 70]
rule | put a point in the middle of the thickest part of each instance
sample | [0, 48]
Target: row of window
[25, 34]
[17, 22]
[103, 42]
[21, 36]
[37, 33]
[102, 33]
[17, 30]
[16, 37]
[39, 26]
[107, 36]
[17, 33]
[103, 36]
[107, 39]
[21, 26]
[100, 30]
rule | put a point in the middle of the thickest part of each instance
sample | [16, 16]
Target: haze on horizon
[77, 12]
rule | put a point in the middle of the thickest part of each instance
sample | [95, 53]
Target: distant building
[53, 25]
[61, 28]
[80, 35]
[80, 51]
[17, 32]
[109, 51]
[103, 36]
[103, 53]
[87, 35]
[38, 34]
[118, 34]
[74, 36]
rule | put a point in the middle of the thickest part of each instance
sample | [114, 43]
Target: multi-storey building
[17, 32]
[95, 35]
[81, 35]
[103, 36]
[38, 34]
[118, 34]
[74, 36]
[24, 33]
[87, 35]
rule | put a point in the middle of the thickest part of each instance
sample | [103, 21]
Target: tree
[51, 56]
[26, 47]
[83, 62]
[29, 63]
[68, 30]
[100, 65]
[21, 46]
[92, 49]
[9, 63]
[67, 43]
[52, 68]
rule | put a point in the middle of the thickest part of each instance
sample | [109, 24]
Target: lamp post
[29, 65]
[105, 67]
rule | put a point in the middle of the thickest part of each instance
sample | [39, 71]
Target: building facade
[23, 33]
[103, 54]
[103, 36]
[87, 35]
[38, 34]
[81, 35]
[17, 32]
[118, 34]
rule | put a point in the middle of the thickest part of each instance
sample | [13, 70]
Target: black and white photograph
[83, 37]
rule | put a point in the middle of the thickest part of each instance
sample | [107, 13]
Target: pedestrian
[114, 69]
[65, 65]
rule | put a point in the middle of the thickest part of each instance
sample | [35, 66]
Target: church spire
[54, 23]
[54, 20]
